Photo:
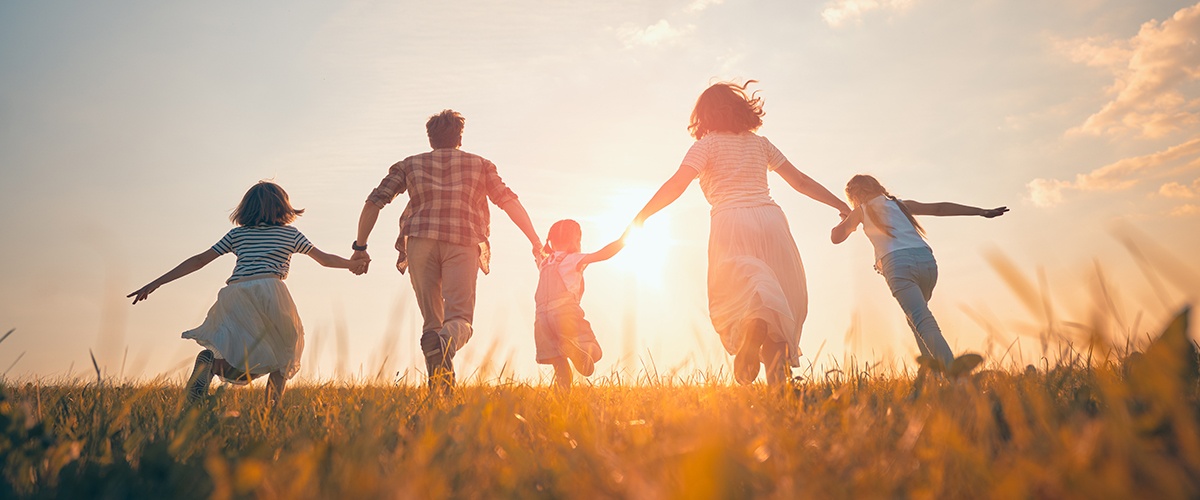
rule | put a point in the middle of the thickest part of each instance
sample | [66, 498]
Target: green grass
[1072, 431]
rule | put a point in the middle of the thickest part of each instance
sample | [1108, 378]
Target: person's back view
[444, 234]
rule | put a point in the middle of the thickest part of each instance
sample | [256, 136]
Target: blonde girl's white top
[904, 234]
[262, 249]
[733, 168]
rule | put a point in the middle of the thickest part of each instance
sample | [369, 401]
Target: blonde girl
[757, 295]
[901, 254]
[253, 329]
[559, 330]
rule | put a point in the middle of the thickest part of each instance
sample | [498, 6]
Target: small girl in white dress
[559, 330]
[901, 254]
[253, 329]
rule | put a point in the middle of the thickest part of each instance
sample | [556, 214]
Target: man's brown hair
[445, 129]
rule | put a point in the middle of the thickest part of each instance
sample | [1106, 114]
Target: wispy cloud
[660, 33]
[701, 5]
[1185, 210]
[1153, 74]
[840, 12]
[1119, 175]
[1177, 190]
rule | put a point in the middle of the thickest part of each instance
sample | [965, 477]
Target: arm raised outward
[945, 209]
[667, 194]
[516, 212]
[189, 266]
[805, 185]
[605, 253]
[848, 225]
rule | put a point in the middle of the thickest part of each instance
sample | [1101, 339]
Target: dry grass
[1099, 429]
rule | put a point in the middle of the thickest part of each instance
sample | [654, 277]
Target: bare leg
[275, 387]
[747, 361]
[774, 357]
[562, 373]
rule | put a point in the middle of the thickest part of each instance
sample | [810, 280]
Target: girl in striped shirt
[253, 329]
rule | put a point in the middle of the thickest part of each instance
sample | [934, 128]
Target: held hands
[993, 212]
[144, 292]
[360, 261]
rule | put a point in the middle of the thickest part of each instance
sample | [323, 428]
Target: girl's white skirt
[255, 327]
[754, 272]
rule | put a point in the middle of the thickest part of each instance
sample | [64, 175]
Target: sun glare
[646, 248]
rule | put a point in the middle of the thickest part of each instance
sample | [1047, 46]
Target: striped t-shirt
[262, 249]
[733, 168]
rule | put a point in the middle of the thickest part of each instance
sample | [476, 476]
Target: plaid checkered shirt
[448, 191]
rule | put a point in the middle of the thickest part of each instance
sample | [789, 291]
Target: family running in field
[757, 294]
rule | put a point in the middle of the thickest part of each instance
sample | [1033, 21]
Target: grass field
[1089, 426]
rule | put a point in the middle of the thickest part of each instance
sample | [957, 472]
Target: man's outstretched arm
[516, 212]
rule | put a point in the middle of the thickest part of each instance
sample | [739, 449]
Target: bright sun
[646, 249]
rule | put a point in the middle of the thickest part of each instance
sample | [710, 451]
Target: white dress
[754, 268]
[254, 325]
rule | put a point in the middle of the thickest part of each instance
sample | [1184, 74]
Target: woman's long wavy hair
[564, 236]
[265, 203]
[726, 107]
[864, 188]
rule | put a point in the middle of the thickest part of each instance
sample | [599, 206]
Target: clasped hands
[360, 260]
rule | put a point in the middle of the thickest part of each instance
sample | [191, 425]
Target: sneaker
[584, 364]
[197, 386]
[746, 361]
[439, 362]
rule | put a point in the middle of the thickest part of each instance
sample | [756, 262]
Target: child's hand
[994, 212]
[143, 292]
[359, 267]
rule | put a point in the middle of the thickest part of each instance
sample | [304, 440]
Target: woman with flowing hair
[757, 295]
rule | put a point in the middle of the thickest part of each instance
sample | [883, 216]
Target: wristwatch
[354, 246]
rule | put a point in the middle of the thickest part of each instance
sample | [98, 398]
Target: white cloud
[1185, 210]
[1119, 175]
[660, 33]
[840, 12]
[701, 5]
[1176, 190]
[1154, 75]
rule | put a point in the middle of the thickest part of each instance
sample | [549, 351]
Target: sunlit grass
[1077, 429]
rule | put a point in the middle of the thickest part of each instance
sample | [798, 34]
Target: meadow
[1088, 425]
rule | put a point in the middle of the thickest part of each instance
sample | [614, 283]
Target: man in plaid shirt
[443, 235]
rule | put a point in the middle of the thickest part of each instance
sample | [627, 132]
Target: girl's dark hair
[564, 236]
[725, 107]
[863, 188]
[445, 129]
[265, 203]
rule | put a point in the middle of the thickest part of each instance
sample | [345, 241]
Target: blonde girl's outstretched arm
[848, 225]
[605, 253]
[947, 209]
[189, 266]
[330, 260]
[667, 194]
[806, 186]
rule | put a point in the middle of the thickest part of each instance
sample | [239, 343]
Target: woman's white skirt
[755, 272]
[255, 327]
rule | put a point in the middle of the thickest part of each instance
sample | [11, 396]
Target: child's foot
[197, 386]
[746, 361]
[582, 360]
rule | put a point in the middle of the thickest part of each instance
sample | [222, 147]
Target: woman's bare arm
[806, 186]
[667, 194]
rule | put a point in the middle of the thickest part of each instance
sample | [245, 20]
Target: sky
[130, 130]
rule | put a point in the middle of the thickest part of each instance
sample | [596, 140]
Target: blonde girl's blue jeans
[911, 274]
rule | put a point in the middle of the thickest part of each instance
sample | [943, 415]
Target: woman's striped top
[262, 249]
[733, 168]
